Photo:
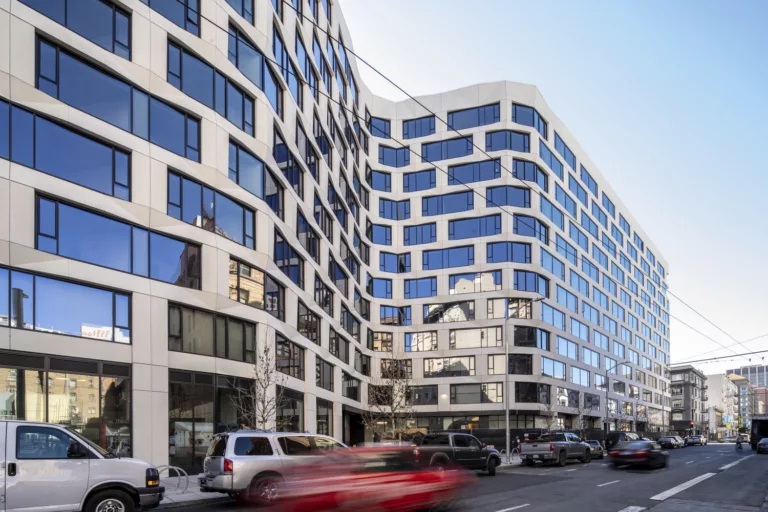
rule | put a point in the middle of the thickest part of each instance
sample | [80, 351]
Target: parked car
[54, 468]
[638, 453]
[669, 442]
[450, 448]
[696, 440]
[556, 447]
[252, 465]
[762, 445]
[597, 449]
[380, 478]
[619, 437]
[680, 441]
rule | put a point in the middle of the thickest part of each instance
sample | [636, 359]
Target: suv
[442, 449]
[251, 465]
[54, 468]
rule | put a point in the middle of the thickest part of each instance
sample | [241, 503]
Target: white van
[53, 468]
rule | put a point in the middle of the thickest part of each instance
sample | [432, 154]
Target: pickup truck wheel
[492, 467]
[112, 500]
[562, 459]
[587, 457]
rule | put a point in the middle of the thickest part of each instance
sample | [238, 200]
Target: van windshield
[101, 451]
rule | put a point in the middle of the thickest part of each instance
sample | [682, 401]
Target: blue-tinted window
[380, 288]
[421, 127]
[579, 330]
[421, 180]
[507, 139]
[600, 257]
[565, 151]
[600, 298]
[566, 250]
[579, 283]
[624, 225]
[552, 264]
[200, 81]
[381, 181]
[86, 236]
[590, 269]
[474, 282]
[608, 205]
[286, 162]
[528, 171]
[516, 252]
[448, 203]
[391, 315]
[96, 20]
[617, 234]
[53, 149]
[608, 245]
[244, 8]
[394, 157]
[550, 159]
[463, 229]
[577, 189]
[379, 127]
[471, 117]
[567, 299]
[525, 281]
[552, 213]
[508, 196]
[562, 197]
[577, 236]
[288, 260]
[590, 225]
[448, 258]
[54, 306]
[381, 234]
[525, 225]
[418, 288]
[529, 116]
[639, 243]
[587, 179]
[476, 171]
[553, 317]
[421, 234]
[183, 13]
[445, 149]
[610, 285]
[173, 130]
[246, 57]
[249, 172]
[394, 210]
[617, 273]
[632, 251]
[396, 263]
[599, 215]
[196, 204]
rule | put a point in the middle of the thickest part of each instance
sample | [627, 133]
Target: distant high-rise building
[757, 374]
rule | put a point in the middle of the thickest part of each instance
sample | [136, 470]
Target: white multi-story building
[184, 183]
[723, 397]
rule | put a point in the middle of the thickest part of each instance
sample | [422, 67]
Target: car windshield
[101, 451]
[595, 443]
[764, 440]
[637, 445]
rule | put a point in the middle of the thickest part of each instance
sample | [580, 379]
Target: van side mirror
[76, 451]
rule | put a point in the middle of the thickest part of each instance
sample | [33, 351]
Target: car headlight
[153, 477]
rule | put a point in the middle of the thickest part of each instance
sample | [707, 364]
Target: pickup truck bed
[556, 447]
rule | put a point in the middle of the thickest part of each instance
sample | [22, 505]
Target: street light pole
[605, 424]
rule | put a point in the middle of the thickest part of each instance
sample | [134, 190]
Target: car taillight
[227, 466]
[416, 454]
[641, 453]
[551, 447]
[613, 453]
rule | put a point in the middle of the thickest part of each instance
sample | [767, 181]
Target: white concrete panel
[142, 430]
[5, 42]
[45, 343]
[158, 320]
[22, 216]
[22, 50]
[159, 378]
[142, 377]
[5, 209]
[141, 328]
[159, 423]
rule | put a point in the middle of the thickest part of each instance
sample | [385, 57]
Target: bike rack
[514, 454]
[179, 473]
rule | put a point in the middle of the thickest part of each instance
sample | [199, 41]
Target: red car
[381, 478]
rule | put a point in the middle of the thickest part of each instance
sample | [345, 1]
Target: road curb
[203, 501]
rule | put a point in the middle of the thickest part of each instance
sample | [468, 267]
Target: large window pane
[73, 400]
[116, 415]
[229, 218]
[24, 394]
[94, 239]
[167, 259]
[22, 300]
[67, 308]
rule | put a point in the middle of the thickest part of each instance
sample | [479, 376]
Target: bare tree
[549, 413]
[390, 400]
[258, 401]
[585, 418]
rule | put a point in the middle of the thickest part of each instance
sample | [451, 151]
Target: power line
[701, 333]
[712, 359]
[729, 346]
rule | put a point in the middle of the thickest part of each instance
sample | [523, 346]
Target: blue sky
[667, 98]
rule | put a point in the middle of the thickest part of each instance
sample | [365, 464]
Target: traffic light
[691, 423]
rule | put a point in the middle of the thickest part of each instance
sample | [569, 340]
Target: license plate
[203, 481]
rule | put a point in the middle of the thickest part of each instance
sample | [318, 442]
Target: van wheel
[112, 500]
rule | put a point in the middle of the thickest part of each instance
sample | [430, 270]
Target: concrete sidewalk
[177, 496]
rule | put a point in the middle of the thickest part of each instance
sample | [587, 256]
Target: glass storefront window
[324, 417]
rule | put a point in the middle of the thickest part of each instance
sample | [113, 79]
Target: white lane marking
[690, 483]
[691, 462]
[605, 465]
[707, 457]
[609, 483]
[513, 508]
[567, 470]
[632, 509]
[729, 466]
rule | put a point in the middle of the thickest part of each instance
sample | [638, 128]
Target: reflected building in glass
[158, 236]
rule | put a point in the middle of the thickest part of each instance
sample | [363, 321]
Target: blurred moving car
[597, 449]
[381, 478]
[619, 437]
[638, 453]
[443, 449]
[251, 465]
[762, 445]
[670, 442]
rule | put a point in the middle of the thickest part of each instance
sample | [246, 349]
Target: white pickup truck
[556, 447]
[51, 468]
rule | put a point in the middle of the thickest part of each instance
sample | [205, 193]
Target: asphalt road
[698, 478]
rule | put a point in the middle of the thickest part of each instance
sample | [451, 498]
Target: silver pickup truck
[555, 447]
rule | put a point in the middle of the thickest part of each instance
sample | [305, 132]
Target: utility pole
[607, 370]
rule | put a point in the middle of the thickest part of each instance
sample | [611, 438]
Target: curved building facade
[187, 183]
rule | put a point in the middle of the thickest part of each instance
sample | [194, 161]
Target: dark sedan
[638, 453]
[669, 442]
[762, 446]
